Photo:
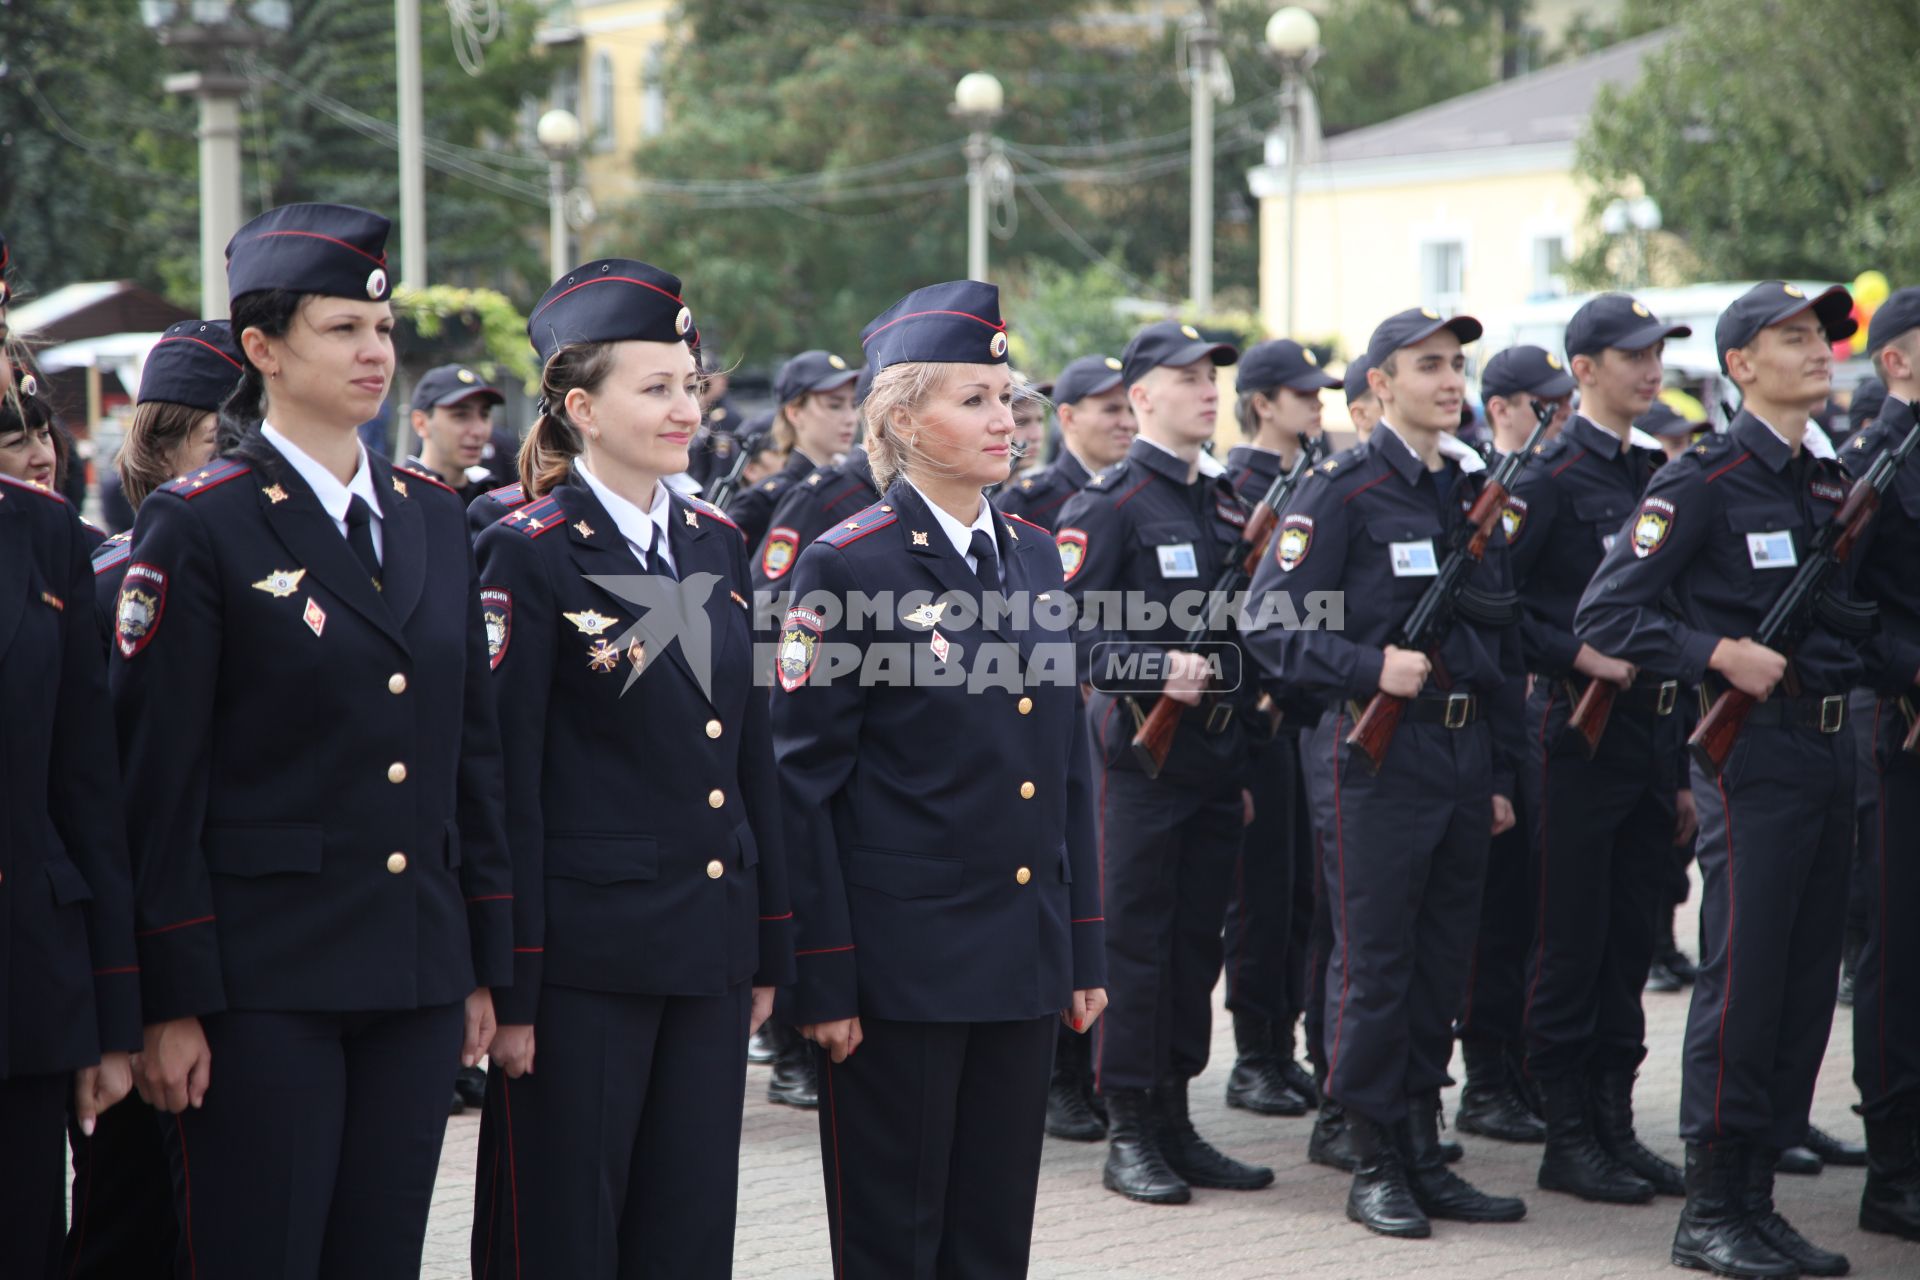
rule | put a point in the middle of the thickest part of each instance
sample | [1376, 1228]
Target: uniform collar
[1068, 464]
[646, 530]
[1158, 458]
[1593, 437]
[960, 535]
[1757, 436]
[1396, 452]
[334, 497]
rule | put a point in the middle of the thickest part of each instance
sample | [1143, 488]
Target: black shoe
[795, 1079]
[1610, 1104]
[1890, 1204]
[1490, 1104]
[1070, 1113]
[1256, 1084]
[1836, 1151]
[1191, 1156]
[458, 1107]
[1802, 1162]
[764, 1045]
[1574, 1161]
[1715, 1234]
[470, 1086]
[1330, 1144]
[1300, 1080]
[1776, 1230]
[1136, 1167]
[1661, 979]
[1667, 953]
[1438, 1190]
[1381, 1199]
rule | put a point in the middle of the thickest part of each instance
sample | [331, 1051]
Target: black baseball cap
[1661, 420]
[812, 371]
[1087, 376]
[1414, 325]
[1868, 399]
[1899, 314]
[1620, 322]
[1281, 362]
[1533, 370]
[1770, 302]
[450, 384]
[1355, 380]
[1170, 343]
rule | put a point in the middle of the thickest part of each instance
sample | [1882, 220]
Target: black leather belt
[1827, 714]
[1656, 699]
[1448, 710]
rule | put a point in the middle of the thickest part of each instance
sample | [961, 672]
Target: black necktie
[360, 536]
[656, 560]
[986, 560]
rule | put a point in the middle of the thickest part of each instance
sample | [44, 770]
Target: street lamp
[1202, 42]
[211, 33]
[559, 134]
[1293, 44]
[978, 100]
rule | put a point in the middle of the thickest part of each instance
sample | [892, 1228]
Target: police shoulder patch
[137, 611]
[1293, 541]
[1652, 525]
[777, 556]
[1514, 517]
[207, 478]
[1073, 550]
[496, 611]
[799, 646]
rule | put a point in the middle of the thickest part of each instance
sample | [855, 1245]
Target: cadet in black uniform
[1154, 530]
[69, 1001]
[1096, 426]
[808, 509]
[1363, 406]
[312, 768]
[650, 914]
[1886, 1012]
[1602, 827]
[1722, 529]
[1271, 910]
[945, 876]
[452, 415]
[1404, 849]
[814, 425]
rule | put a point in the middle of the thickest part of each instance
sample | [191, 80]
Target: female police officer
[942, 825]
[651, 922]
[322, 898]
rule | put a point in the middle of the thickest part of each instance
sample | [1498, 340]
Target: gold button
[713, 728]
[396, 772]
[396, 683]
[1023, 875]
[1026, 706]
[715, 870]
[396, 862]
[716, 798]
[1026, 791]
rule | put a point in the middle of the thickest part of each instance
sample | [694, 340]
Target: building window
[653, 94]
[1442, 275]
[566, 88]
[602, 101]
[1549, 266]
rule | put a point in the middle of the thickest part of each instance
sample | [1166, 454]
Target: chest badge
[602, 656]
[314, 616]
[926, 615]
[589, 622]
[281, 583]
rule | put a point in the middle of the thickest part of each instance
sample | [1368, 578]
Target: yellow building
[1469, 205]
[611, 60]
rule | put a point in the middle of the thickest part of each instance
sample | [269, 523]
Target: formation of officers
[333, 779]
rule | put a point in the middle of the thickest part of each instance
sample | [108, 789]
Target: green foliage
[1056, 314]
[500, 329]
[1386, 58]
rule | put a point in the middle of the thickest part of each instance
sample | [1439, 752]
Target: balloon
[1870, 289]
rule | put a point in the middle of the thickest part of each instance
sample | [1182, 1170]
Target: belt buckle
[1833, 712]
[1459, 706]
[1669, 695]
[1219, 717]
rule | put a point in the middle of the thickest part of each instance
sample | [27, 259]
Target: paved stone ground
[1297, 1227]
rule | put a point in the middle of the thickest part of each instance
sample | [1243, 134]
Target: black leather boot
[1438, 1190]
[1776, 1230]
[1799, 1161]
[1069, 1113]
[1667, 953]
[1610, 1096]
[1835, 1151]
[1191, 1156]
[1298, 1078]
[795, 1079]
[1329, 1144]
[1136, 1167]
[764, 1045]
[1715, 1234]
[1574, 1161]
[1890, 1204]
[1381, 1199]
[1490, 1104]
[1255, 1083]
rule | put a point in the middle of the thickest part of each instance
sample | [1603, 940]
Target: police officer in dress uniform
[1601, 826]
[1149, 531]
[452, 415]
[1404, 849]
[650, 913]
[1722, 529]
[312, 764]
[814, 425]
[69, 1000]
[1886, 1011]
[1270, 913]
[941, 818]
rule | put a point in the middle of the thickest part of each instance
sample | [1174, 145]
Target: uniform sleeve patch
[1296, 536]
[496, 611]
[1073, 550]
[799, 647]
[136, 614]
[1514, 518]
[1827, 491]
[777, 556]
[1651, 526]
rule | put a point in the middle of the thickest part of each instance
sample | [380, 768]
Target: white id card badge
[1772, 550]
[1177, 561]
[1414, 559]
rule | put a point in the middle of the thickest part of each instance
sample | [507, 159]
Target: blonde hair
[553, 442]
[154, 436]
[903, 389]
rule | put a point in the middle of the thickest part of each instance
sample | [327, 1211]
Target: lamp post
[978, 100]
[1203, 39]
[210, 33]
[410, 105]
[1293, 43]
[559, 134]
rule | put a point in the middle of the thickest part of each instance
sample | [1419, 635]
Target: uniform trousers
[1270, 908]
[316, 1150]
[32, 1130]
[1497, 967]
[930, 1137]
[618, 1156]
[123, 1226]
[1886, 993]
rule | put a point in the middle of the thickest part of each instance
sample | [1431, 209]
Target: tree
[1773, 157]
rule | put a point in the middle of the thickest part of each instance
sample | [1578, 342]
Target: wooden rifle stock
[1712, 740]
[1373, 732]
[1590, 713]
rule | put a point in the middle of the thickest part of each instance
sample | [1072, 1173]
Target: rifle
[1793, 613]
[1432, 618]
[1154, 738]
[723, 491]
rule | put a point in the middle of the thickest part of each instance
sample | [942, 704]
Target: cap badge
[1792, 292]
[376, 282]
[1553, 361]
[1306, 353]
[836, 362]
[683, 322]
[1189, 331]
[1641, 311]
[465, 375]
[29, 385]
[998, 347]
[1113, 363]
[1429, 313]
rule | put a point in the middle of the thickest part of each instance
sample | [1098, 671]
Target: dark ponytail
[547, 454]
[271, 311]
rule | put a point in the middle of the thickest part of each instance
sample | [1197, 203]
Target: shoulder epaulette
[1043, 532]
[536, 517]
[41, 489]
[508, 495]
[863, 523]
[705, 508]
[434, 480]
[1714, 443]
[1343, 462]
[112, 553]
[1102, 480]
[211, 476]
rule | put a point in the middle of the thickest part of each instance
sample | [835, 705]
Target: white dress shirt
[334, 497]
[645, 531]
[961, 535]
